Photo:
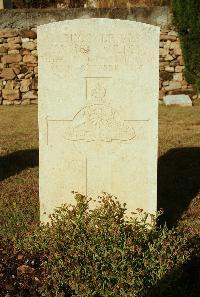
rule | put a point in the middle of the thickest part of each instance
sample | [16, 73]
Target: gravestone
[182, 100]
[98, 101]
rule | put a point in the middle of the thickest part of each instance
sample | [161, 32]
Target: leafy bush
[187, 19]
[98, 252]
[33, 3]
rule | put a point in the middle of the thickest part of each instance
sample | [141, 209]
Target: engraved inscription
[97, 120]
[98, 92]
[99, 123]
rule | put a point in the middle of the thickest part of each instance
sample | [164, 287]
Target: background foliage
[187, 19]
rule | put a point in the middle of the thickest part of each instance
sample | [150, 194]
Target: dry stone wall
[172, 80]
[19, 67]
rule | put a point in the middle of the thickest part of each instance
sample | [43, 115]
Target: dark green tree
[187, 20]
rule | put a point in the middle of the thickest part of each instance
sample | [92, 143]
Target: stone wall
[18, 67]
[18, 52]
[29, 18]
[172, 79]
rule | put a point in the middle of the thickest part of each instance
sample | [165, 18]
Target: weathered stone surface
[25, 85]
[167, 37]
[35, 53]
[29, 45]
[24, 69]
[7, 73]
[180, 59]
[169, 69]
[177, 51]
[21, 75]
[173, 85]
[168, 58]
[173, 63]
[164, 75]
[14, 39]
[34, 101]
[29, 74]
[97, 97]
[13, 52]
[182, 100]
[189, 92]
[31, 65]
[26, 101]
[17, 102]
[174, 45]
[179, 68]
[30, 95]
[178, 76]
[165, 83]
[29, 59]
[34, 84]
[164, 52]
[25, 39]
[164, 63]
[7, 102]
[3, 50]
[16, 70]
[7, 34]
[28, 34]
[36, 69]
[161, 94]
[11, 58]
[12, 46]
[173, 33]
[10, 94]
[25, 52]
[10, 84]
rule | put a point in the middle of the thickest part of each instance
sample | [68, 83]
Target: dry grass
[178, 168]
[19, 205]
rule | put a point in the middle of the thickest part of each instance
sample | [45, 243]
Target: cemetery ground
[178, 195]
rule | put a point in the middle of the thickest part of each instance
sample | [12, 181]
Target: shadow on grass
[181, 282]
[178, 182]
[15, 162]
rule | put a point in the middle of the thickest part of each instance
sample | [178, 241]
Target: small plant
[99, 252]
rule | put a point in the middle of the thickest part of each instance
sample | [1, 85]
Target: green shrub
[187, 19]
[97, 252]
[33, 3]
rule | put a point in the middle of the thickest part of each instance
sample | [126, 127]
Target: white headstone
[98, 101]
[182, 100]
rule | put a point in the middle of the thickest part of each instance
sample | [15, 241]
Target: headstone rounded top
[100, 21]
